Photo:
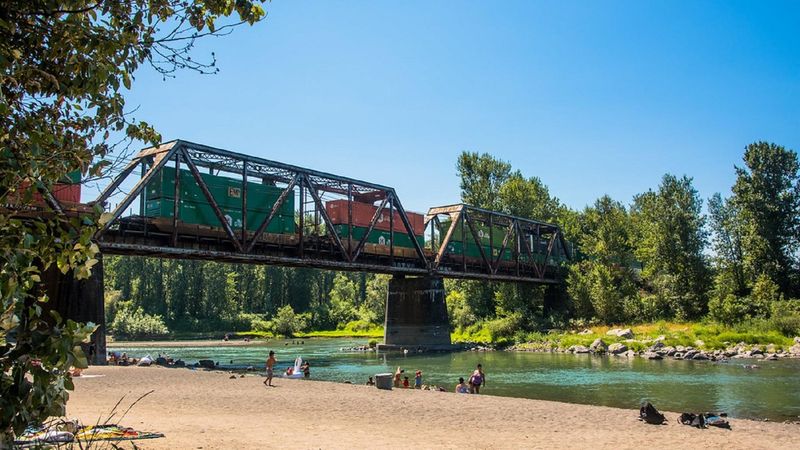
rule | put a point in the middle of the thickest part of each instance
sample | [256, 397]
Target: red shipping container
[64, 193]
[363, 213]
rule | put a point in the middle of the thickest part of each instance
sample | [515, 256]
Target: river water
[771, 391]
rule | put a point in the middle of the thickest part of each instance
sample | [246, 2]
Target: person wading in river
[477, 379]
[270, 363]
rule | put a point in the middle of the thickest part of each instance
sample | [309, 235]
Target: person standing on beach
[270, 364]
[477, 379]
[418, 380]
[398, 375]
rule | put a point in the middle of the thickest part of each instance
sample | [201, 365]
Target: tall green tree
[482, 176]
[670, 237]
[604, 282]
[767, 196]
[727, 238]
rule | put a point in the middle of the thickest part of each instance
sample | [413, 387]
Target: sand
[209, 410]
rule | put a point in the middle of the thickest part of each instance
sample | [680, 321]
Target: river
[769, 392]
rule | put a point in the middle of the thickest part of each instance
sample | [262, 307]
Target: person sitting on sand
[370, 382]
[461, 387]
[405, 382]
[397, 377]
[270, 363]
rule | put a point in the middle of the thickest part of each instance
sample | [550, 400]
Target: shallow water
[772, 392]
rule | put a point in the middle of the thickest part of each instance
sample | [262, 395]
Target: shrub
[786, 317]
[286, 322]
[132, 323]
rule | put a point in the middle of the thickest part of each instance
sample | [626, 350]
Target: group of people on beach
[473, 386]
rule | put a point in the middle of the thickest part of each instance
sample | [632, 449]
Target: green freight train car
[194, 208]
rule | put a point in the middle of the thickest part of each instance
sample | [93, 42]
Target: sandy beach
[209, 410]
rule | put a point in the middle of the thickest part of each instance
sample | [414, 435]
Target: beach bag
[717, 421]
[692, 419]
[650, 414]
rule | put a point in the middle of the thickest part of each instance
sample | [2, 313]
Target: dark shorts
[269, 372]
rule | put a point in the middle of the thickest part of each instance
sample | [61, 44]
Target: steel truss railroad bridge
[522, 250]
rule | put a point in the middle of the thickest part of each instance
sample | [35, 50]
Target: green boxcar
[379, 237]
[455, 248]
[202, 214]
[482, 230]
[227, 192]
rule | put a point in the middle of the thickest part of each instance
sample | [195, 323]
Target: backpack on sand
[650, 414]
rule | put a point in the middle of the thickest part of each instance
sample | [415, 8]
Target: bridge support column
[81, 301]
[416, 315]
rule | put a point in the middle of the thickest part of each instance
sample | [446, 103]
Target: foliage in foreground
[63, 65]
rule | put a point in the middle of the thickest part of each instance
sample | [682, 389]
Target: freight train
[195, 210]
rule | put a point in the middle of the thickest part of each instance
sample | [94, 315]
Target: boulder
[795, 349]
[680, 348]
[699, 356]
[669, 351]
[630, 354]
[652, 355]
[771, 348]
[617, 348]
[690, 354]
[797, 340]
[586, 331]
[699, 343]
[661, 338]
[613, 332]
[772, 357]
[598, 346]
[580, 349]
[626, 333]
[677, 355]
[756, 351]
[657, 345]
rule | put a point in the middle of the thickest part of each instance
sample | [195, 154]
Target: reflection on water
[773, 391]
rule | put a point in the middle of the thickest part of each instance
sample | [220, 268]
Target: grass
[714, 336]
[371, 333]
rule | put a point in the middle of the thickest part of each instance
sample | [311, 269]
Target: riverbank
[199, 409]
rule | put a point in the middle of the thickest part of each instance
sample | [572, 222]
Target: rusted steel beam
[391, 233]
[371, 227]
[301, 231]
[255, 161]
[328, 223]
[214, 206]
[477, 239]
[244, 205]
[409, 229]
[177, 198]
[455, 219]
[121, 248]
[144, 181]
[273, 212]
[350, 220]
[550, 248]
[503, 248]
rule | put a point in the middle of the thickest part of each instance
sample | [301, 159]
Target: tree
[63, 65]
[286, 322]
[604, 282]
[766, 195]
[670, 238]
[727, 229]
[482, 176]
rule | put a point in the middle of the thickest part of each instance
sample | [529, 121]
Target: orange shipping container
[64, 193]
[363, 213]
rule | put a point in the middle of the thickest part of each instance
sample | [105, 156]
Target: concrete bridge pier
[81, 301]
[416, 315]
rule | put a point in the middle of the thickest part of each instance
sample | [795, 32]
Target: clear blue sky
[593, 97]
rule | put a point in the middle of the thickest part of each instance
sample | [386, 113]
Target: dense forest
[663, 256]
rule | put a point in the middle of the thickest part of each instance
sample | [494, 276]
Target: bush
[732, 309]
[786, 317]
[286, 322]
[132, 323]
